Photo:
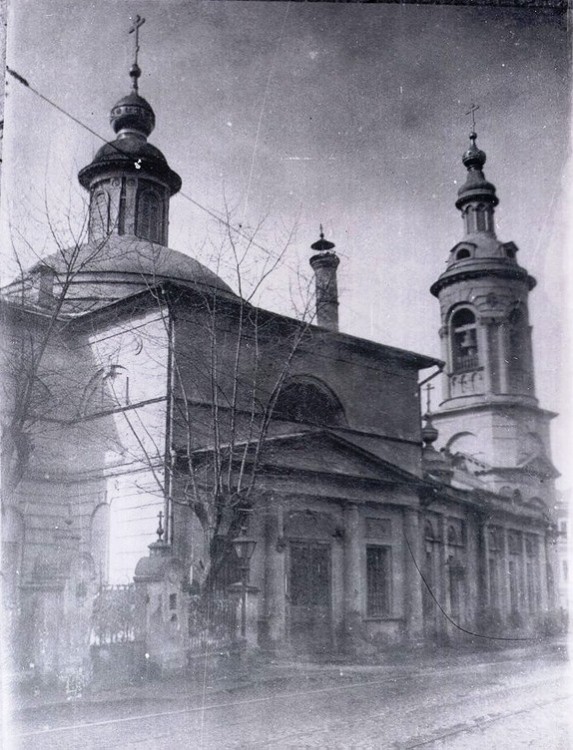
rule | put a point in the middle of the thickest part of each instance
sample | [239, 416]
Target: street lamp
[244, 547]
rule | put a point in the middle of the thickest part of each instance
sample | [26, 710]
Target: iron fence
[113, 617]
[212, 623]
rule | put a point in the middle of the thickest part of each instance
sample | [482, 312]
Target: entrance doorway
[309, 596]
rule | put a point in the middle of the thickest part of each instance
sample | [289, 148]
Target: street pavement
[522, 698]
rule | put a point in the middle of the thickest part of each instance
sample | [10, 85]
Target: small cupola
[477, 197]
[324, 263]
[434, 463]
[129, 180]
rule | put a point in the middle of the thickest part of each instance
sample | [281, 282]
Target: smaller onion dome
[435, 464]
[476, 187]
[474, 158]
[322, 245]
[133, 113]
[429, 432]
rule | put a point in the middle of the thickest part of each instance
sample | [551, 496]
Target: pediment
[324, 452]
[318, 452]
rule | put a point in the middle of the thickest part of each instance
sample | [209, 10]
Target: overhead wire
[447, 616]
[211, 212]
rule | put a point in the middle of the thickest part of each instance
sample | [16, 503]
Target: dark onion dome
[429, 432]
[130, 154]
[476, 187]
[474, 157]
[133, 112]
[133, 119]
[434, 463]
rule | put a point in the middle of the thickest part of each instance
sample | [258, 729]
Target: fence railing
[113, 617]
[212, 623]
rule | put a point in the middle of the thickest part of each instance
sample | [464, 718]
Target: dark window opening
[100, 214]
[150, 216]
[308, 402]
[429, 531]
[464, 341]
[122, 207]
[481, 219]
[309, 574]
[377, 581]
[463, 253]
[518, 351]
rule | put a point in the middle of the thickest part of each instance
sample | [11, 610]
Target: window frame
[375, 611]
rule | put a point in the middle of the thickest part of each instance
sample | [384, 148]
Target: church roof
[116, 268]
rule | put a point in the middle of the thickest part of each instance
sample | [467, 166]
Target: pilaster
[413, 583]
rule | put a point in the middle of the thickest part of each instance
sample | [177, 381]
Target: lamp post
[244, 547]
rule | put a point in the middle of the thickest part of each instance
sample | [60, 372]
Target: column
[483, 594]
[506, 603]
[485, 353]
[524, 593]
[552, 560]
[542, 563]
[447, 357]
[502, 349]
[275, 579]
[353, 576]
[412, 580]
[444, 576]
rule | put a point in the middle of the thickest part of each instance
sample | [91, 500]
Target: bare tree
[36, 308]
[223, 393]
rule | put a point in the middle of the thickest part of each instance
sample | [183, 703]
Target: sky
[296, 114]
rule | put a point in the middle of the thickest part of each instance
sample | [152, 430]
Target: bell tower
[489, 411]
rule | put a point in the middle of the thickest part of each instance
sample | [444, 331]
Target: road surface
[505, 703]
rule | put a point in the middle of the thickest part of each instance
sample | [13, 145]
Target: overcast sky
[352, 115]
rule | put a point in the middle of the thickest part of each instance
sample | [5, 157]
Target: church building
[167, 443]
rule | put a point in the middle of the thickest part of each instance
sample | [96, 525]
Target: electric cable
[209, 211]
[447, 616]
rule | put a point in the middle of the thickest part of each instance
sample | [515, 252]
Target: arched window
[481, 218]
[429, 534]
[464, 340]
[99, 219]
[305, 400]
[149, 216]
[518, 351]
[463, 253]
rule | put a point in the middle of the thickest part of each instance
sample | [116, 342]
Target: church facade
[153, 419]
